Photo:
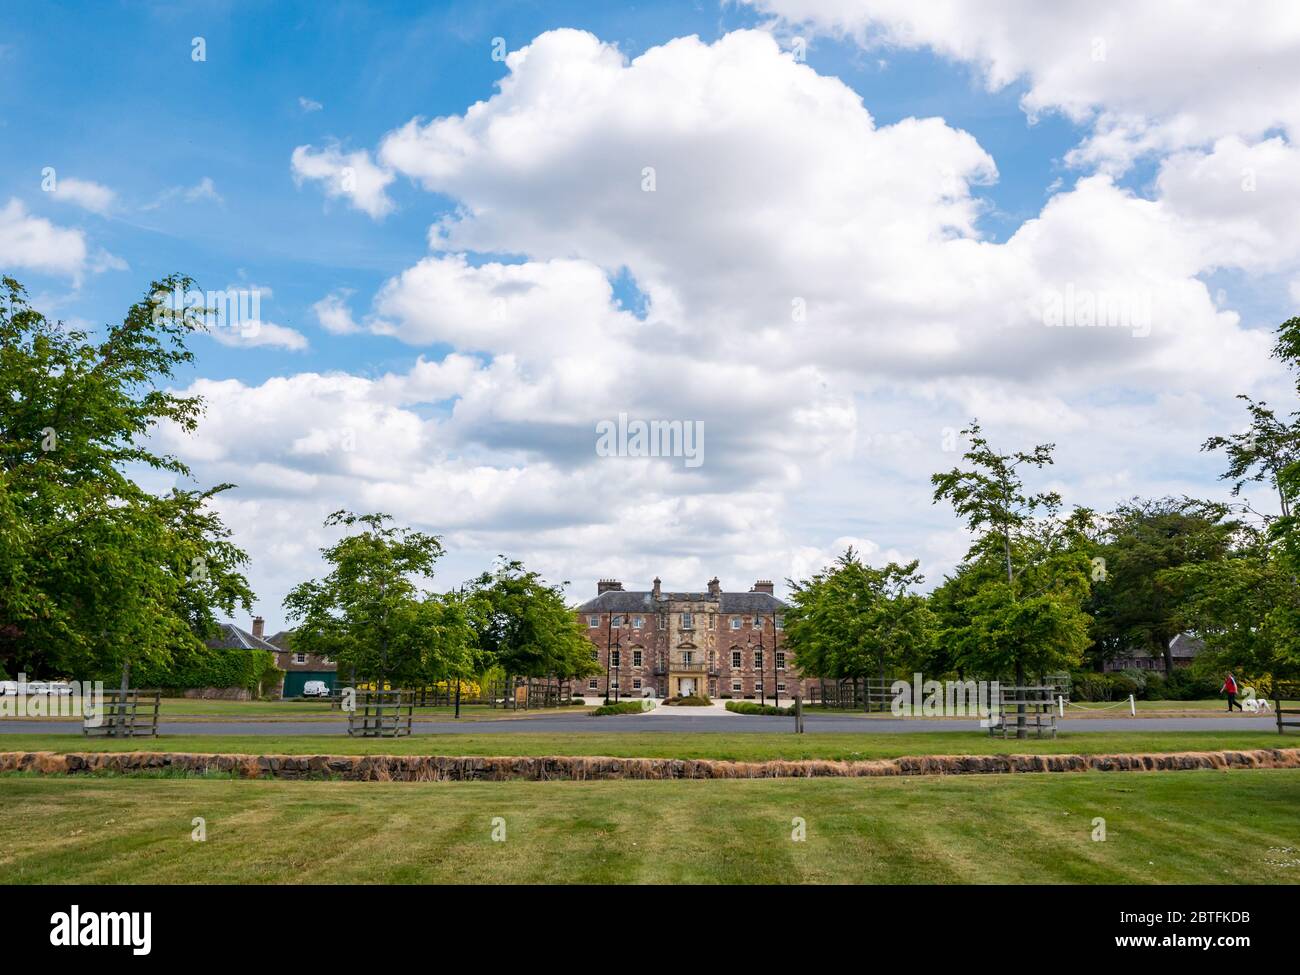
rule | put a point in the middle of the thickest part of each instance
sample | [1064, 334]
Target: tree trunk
[119, 722]
[1021, 730]
[1167, 651]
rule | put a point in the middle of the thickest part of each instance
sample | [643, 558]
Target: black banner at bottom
[145, 924]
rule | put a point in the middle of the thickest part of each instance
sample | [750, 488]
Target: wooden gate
[381, 714]
[1286, 717]
[133, 714]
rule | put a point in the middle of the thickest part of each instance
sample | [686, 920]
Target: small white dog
[1253, 704]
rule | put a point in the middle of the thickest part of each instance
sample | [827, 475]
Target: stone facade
[669, 643]
[289, 660]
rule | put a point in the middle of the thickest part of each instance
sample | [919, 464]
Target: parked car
[55, 688]
[315, 688]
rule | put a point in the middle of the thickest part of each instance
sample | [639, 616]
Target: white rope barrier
[1132, 706]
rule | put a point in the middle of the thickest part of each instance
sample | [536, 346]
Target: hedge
[622, 707]
[1145, 685]
[208, 667]
[749, 707]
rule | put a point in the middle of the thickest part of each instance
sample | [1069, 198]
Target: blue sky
[197, 157]
[110, 92]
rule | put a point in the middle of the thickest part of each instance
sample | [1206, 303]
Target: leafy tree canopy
[1134, 603]
[526, 628]
[853, 621]
[95, 571]
[369, 613]
[1017, 604]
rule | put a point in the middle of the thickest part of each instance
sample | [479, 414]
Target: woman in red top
[1230, 686]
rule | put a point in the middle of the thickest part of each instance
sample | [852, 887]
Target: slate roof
[618, 601]
[231, 637]
[281, 639]
[750, 602]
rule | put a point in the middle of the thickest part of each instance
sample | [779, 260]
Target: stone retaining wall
[440, 768]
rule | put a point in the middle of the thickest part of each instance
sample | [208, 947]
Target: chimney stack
[656, 588]
[608, 585]
[259, 626]
[715, 587]
[764, 585]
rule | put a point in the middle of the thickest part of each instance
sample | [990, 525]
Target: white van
[315, 688]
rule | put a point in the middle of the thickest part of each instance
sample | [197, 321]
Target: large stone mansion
[664, 644]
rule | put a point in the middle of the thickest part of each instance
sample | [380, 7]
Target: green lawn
[1174, 827]
[741, 746]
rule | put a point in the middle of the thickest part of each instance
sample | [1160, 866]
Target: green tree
[453, 652]
[96, 572]
[1246, 607]
[526, 628]
[1262, 452]
[854, 621]
[1027, 573]
[1133, 601]
[369, 614]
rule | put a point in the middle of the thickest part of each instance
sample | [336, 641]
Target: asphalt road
[647, 724]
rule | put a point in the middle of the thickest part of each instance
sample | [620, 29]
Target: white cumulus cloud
[350, 175]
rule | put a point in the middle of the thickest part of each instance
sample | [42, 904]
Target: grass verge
[1182, 827]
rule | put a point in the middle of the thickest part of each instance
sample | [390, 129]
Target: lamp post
[609, 655]
[776, 688]
[618, 688]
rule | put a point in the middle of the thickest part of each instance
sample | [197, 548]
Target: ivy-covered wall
[210, 668]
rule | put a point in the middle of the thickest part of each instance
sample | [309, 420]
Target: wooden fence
[133, 714]
[848, 694]
[381, 714]
[877, 695]
[445, 697]
[521, 694]
[514, 694]
[1286, 717]
[1037, 703]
